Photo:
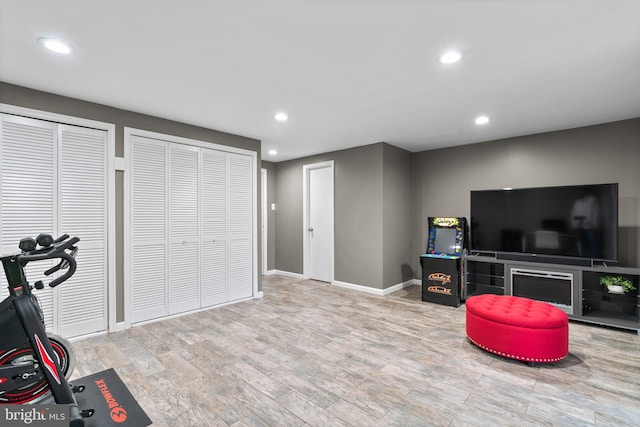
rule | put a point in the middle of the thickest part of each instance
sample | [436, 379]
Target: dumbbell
[27, 244]
[44, 240]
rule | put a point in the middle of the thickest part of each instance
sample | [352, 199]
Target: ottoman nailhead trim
[512, 356]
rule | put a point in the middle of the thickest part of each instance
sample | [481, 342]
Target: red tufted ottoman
[519, 328]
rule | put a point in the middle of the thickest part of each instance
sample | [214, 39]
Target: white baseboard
[397, 287]
[259, 294]
[286, 273]
[374, 291]
[352, 286]
[358, 288]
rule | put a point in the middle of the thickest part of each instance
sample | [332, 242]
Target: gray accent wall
[607, 153]
[384, 195]
[358, 216]
[372, 236]
[397, 253]
[43, 101]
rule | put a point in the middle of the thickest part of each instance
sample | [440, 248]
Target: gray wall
[384, 195]
[357, 213]
[358, 216]
[372, 215]
[397, 254]
[37, 100]
[442, 179]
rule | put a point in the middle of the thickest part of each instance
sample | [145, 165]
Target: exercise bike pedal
[86, 413]
[77, 388]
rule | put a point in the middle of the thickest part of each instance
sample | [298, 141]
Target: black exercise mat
[113, 402]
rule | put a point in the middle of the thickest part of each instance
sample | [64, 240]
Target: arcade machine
[442, 275]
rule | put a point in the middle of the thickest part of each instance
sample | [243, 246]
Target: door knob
[311, 229]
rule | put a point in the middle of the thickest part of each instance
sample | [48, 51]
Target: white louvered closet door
[214, 228]
[28, 176]
[148, 228]
[83, 212]
[183, 263]
[240, 202]
[53, 179]
[191, 211]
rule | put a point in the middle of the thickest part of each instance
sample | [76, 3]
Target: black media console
[574, 289]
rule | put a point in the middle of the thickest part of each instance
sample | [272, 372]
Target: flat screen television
[578, 221]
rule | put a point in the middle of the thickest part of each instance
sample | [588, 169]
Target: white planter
[615, 289]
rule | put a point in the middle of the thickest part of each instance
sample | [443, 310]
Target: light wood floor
[311, 354]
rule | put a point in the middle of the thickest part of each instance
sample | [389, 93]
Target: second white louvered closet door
[83, 213]
[240, 211]
[148, 228]
[183, 229]
[214, 228]
[201, 199]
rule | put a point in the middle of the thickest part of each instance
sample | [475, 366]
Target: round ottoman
[518, 328]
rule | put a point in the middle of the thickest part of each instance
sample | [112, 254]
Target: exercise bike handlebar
[56, 250]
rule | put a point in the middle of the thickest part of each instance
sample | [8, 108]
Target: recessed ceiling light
[281, 117]
[273, 152]
[451, 56]
[482, 120]
[55, 45]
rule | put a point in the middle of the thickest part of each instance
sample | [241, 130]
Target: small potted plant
[617, 284]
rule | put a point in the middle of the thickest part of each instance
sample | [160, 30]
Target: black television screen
[573, 221]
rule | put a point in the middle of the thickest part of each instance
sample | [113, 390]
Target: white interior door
[319, 222]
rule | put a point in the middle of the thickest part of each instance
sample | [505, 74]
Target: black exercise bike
[35, 365]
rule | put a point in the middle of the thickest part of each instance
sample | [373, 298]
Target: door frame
[264, 222]
[306, 171]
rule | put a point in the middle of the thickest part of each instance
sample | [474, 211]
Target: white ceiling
[348, 72]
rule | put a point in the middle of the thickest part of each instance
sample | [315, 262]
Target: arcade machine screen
[445, 241]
